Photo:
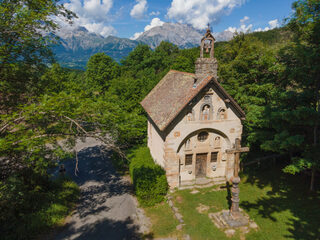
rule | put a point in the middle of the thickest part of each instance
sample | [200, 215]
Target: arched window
[203, 136]
[190, 116]
[205, 112]
[222, 114]
[188, 144]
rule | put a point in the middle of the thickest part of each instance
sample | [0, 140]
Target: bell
[207, 49]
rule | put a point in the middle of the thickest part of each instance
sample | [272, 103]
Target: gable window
[190, 116]
[205, 112]
[222, 114]
[214, 156]
[207, 98]
[202, 136]
[188, 159]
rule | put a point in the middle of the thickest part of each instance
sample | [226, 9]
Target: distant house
[192, 120]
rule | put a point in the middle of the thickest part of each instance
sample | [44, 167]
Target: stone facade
[172, 147]
[189, 135]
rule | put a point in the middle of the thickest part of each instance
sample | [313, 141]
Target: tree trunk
[313, 173]
[315, 129]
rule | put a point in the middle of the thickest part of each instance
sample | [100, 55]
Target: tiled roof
[176, 89]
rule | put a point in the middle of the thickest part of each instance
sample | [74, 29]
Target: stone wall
[206, 66]
[182, 129]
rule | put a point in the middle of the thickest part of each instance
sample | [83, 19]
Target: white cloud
[243, 27]
[100, 28]
[248, 28]
[139, 9]
[274, 23]
[153, 13]
[231, 29]
[155, 22]
[93, 15]
[93, 9]
[199, 13]
[136, 35]
[244, 19]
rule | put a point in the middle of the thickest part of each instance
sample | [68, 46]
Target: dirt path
[107, 209]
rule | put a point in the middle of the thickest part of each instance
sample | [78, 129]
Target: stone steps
[219, 222]
[202, 183]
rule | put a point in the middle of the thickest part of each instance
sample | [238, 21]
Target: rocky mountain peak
[182, 35]
[77, 44]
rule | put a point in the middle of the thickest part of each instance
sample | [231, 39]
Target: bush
[30, 208]
[148, 178]
[119, 163]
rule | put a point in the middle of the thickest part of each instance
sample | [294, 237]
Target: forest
[274, 76]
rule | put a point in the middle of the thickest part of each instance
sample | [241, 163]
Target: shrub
[30, 208]
[119, 163]
[148, 178]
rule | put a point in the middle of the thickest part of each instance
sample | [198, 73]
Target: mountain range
[77, 44]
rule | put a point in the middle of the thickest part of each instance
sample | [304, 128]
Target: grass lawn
[280, 204]
[163, 221]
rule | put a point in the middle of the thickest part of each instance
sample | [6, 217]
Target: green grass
[199, 226]
[36, 210]
[280, 204]
[163, 221]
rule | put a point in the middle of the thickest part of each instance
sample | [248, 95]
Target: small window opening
[214, 156]
[188, 159]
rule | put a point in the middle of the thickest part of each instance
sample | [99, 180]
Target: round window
[202, 136]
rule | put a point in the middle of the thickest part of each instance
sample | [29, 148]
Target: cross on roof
[208, 29]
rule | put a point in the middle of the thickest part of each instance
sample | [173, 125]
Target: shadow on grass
[228, 186]
[288, 193]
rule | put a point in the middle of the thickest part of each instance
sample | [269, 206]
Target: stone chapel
[192, 121]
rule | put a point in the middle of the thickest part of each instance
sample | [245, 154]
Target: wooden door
[201, 164]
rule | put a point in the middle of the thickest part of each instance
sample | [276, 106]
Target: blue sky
[129, 18]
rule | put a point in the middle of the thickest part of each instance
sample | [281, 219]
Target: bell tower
[207, 65]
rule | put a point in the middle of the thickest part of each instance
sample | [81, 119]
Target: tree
[24, 45]
[101, 69]
[135, 61]
[248, 70]
[185, 60]
[296, 118]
